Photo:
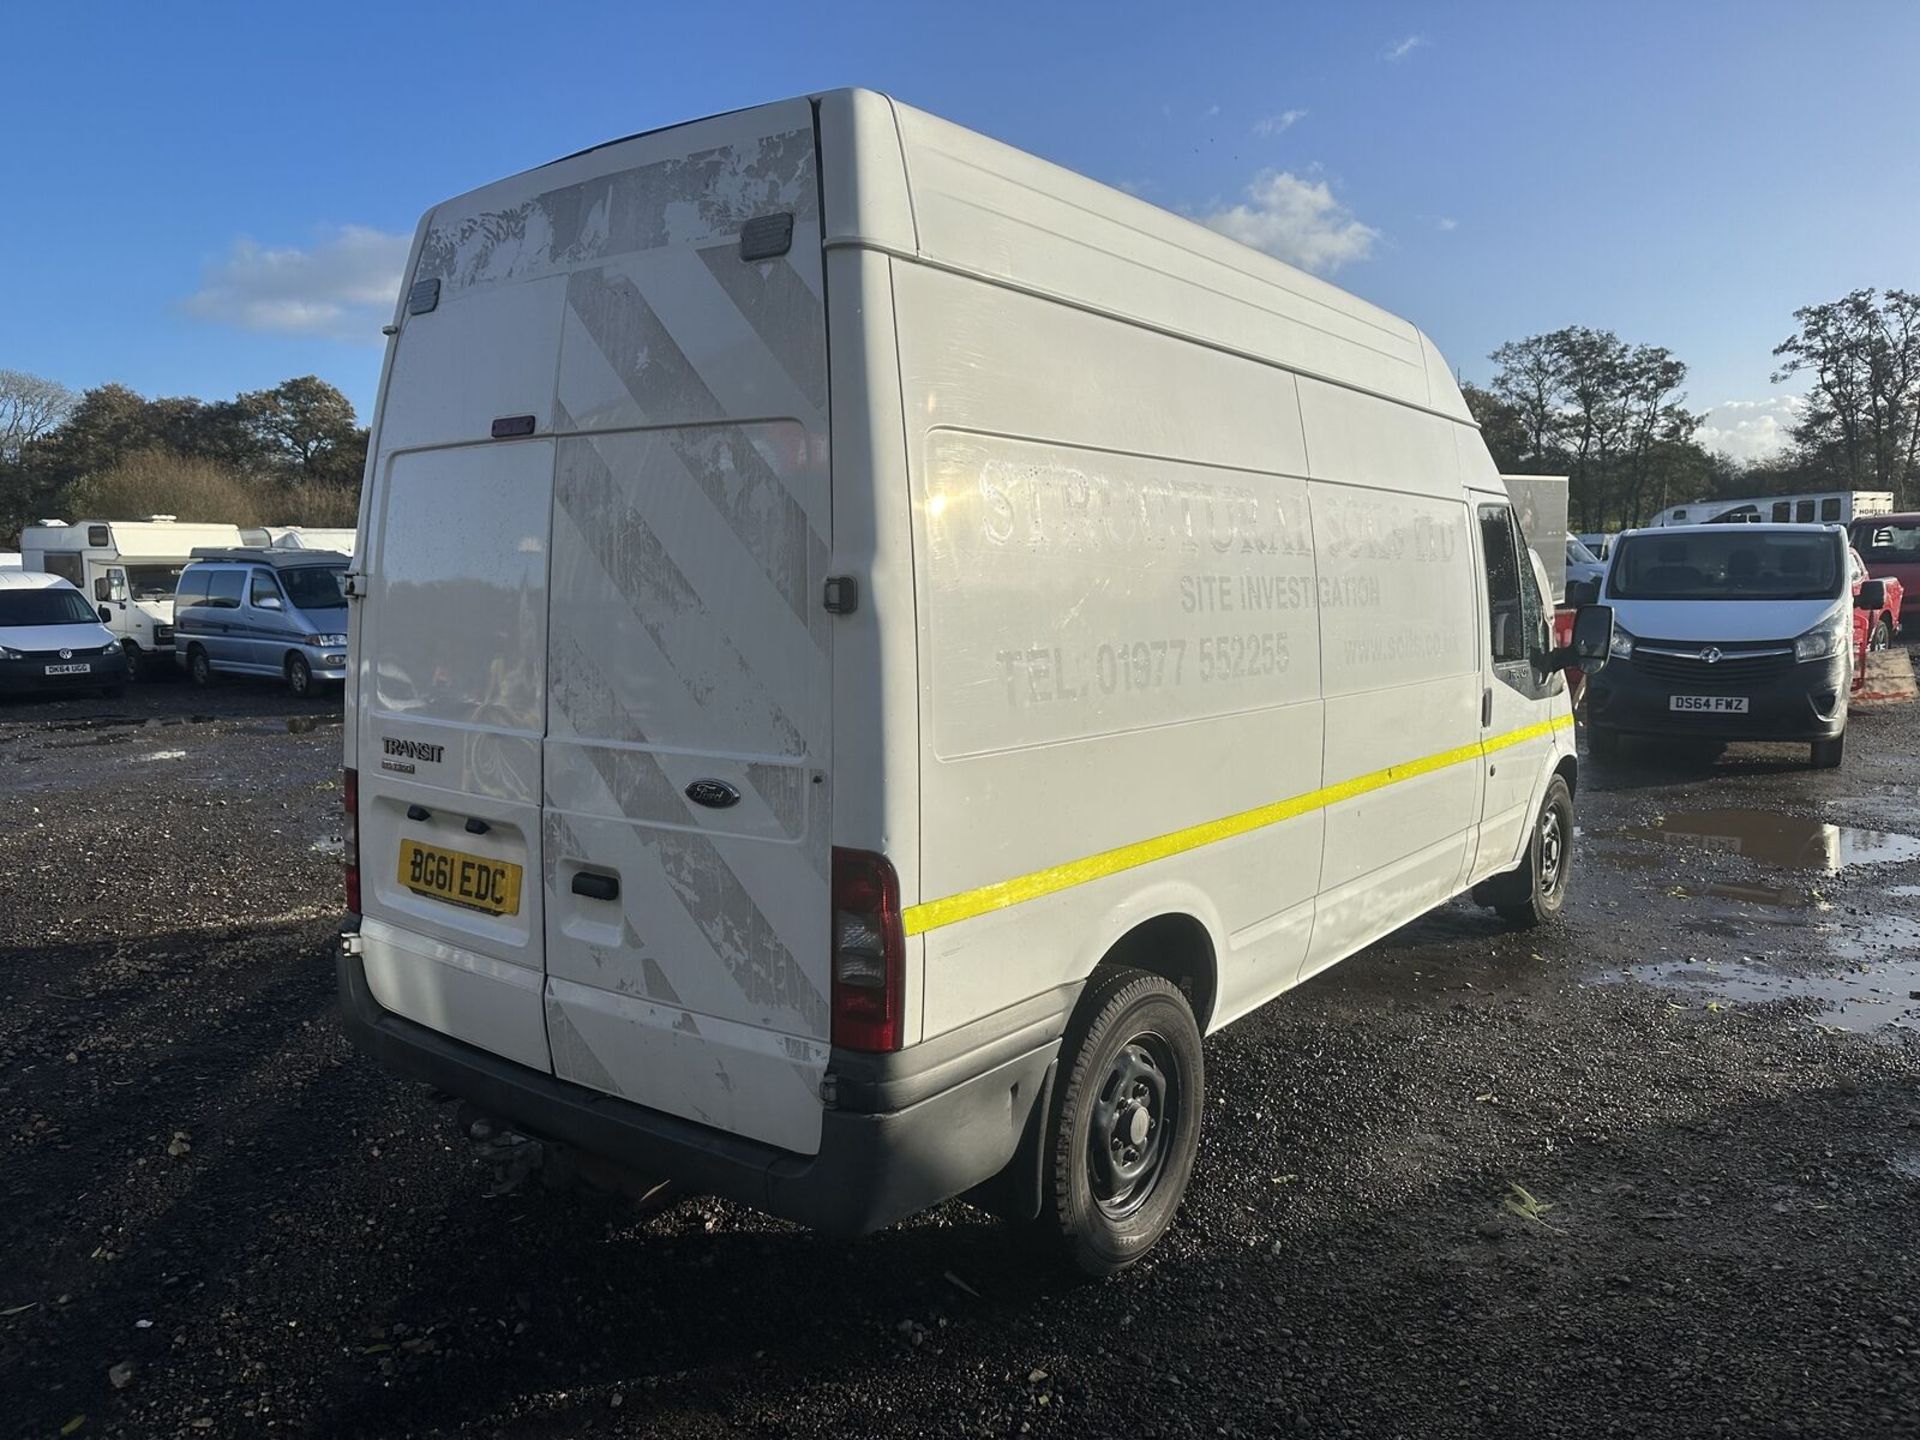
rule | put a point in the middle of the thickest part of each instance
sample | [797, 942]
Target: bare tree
[30, 406]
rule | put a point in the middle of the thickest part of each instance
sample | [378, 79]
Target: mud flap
[1015, 1193]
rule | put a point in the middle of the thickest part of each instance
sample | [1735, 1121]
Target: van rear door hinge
[350, 585]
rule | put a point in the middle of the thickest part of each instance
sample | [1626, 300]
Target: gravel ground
[1655, 1172]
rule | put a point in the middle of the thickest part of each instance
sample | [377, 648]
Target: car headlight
[326, 639]
[7, 653]
[1826, 639]
[1622, 647]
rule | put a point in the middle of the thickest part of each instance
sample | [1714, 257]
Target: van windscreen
[153, 582]
[1727, 564]
[315, 587]
[52, 606]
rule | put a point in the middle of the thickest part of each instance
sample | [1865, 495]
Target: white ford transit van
[866, 645]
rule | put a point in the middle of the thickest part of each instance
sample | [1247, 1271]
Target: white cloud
[1212, 110]
[1296, 220]
[1406, 47]
[1447, 222]
[1278, 124]
[342, 288]
[1751, 429]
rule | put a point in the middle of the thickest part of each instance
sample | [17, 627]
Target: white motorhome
[1825, 507]
[867, 644]
[297, 537]
[128, 568]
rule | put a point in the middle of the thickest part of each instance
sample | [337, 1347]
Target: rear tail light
[869, 953]
[351, 837]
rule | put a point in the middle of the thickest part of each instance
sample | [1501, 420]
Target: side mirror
[1872, 595]
[267, 602]
[1592, 636]
[106, 615]
[1582, 592]
[100, 591]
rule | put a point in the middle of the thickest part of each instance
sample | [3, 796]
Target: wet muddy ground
[1655, 1172]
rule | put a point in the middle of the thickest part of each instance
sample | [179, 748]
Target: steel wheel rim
[300, 677]
[1134, 1126]
[1552, 850]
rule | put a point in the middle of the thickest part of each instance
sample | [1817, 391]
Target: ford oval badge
[714, 794]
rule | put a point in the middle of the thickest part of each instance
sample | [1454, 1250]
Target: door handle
[1486, 707]
[596, 887]
[419, 812]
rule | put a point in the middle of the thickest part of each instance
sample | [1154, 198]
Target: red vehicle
[1874, 628]
[1890, 545]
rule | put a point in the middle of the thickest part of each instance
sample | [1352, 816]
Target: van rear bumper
[906, 1131]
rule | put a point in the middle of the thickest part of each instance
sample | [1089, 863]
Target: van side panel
[1116, 608]
[1401, 672]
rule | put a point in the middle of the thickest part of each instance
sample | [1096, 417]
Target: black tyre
[132, 652]
[199, 667]
[1827, 754]
[1125, 1120]
[299, 676]
[1538, 889]
[1882, 637]
[1602, 742]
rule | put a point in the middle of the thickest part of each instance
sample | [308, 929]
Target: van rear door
[640, 579]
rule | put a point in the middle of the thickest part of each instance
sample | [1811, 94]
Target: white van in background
[867, 644]
[128, 568]
[1738, 632]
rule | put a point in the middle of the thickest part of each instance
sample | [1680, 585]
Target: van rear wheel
[1125, 1120]
[299, 676]
[199, 668]
[132, 652]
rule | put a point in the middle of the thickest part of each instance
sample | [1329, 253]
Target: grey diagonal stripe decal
[762, 513]
[637, 347]
[783, 312]
[722, 460]
[716, 901]
[638, 567]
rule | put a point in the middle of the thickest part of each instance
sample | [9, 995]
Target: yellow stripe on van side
[918, 919]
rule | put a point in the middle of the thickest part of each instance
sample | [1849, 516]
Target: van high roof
[258, 555]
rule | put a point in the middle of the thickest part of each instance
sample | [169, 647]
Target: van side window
[1830, 508]
[223, 589]
[264, 588]
[1782, 512]
[1803, 511]
[192, 591]
[1506, 611]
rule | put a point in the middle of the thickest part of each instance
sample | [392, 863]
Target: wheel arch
[1178, 946]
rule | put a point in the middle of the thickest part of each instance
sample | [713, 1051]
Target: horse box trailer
[867, 645]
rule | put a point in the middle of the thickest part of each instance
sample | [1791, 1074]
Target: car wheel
[1827, 754]
[1602, 742]
[1125, 1120]
[1539, 890]
[299, 676]
[199, 668]
[1882, 635]
[132, 652]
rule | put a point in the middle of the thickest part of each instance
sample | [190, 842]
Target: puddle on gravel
[1907, 1165]
[1791, 841]
[1781, 898]
[1880, 985]
[329, 845]
[305, 724]
[126, 722]
[164, 755]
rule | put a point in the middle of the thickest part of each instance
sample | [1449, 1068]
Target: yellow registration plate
[491, 886]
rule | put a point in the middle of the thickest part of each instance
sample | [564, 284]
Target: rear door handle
[596, 887]
[1486, 707]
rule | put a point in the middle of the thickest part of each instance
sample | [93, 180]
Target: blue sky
[204, 199]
